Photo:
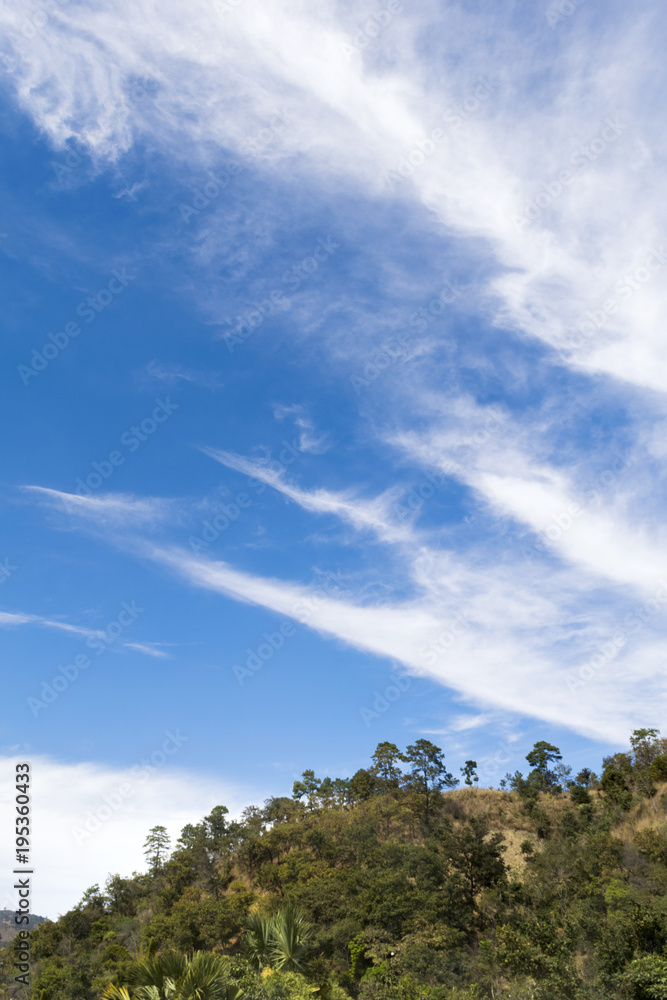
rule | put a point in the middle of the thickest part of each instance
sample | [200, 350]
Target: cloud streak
[363, 515]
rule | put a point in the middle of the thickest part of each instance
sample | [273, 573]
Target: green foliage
[475, 856]
[428, 773]
[652, 844]
[541, 756]
[309, 786]
[386, 886]
[580, 795]
[156, 848]
[614, 784]
[647, 978]
[175, 977]
[279, 942]
[469, 772]
[542, 778]
[385, 763]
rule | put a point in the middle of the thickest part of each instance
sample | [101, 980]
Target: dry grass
[643, 816]
[505, 814]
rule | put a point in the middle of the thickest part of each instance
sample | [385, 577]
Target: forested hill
[391, 885]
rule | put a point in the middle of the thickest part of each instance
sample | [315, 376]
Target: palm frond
[115, 993]
[290, 939]
[258, 938]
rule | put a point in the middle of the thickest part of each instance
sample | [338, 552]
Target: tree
[309, 786]
[215, 826]
[428, 774]
[279, 942]
[290, 939]
[648, 751]
[469, 772]
[362, 785]
[477, 860]
[580, 795]
[156, 848]
[341, 790]
[587, 778]
[385, 763]
[539, 758]
[647, 978]
[203, 976]
[259, 931]
[615, 787]
[121, 893]
[542, 754]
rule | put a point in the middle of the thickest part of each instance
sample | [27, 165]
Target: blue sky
[333, 347]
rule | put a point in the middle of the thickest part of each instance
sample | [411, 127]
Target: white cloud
[589, 529]
[373, 515]
[173, 373]
[14, 619]
[575, 264]
[564, 247]
[108, 509]
[90, 819]
[309, 439]
[505, 635]
[491, 635]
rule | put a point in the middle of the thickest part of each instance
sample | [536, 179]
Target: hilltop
[396, 885]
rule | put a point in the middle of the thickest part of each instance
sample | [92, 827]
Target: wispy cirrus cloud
[547, 188]
[15, 619]
[108, 508]
[171, 374]
[445, 634]
[495, 172]
[309, 439]
[364, 515]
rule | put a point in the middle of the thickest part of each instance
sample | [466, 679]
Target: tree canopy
[389, 885]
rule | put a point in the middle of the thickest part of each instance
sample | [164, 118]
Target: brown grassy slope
[505, 813]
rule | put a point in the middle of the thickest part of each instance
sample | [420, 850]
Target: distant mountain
[9, 930]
